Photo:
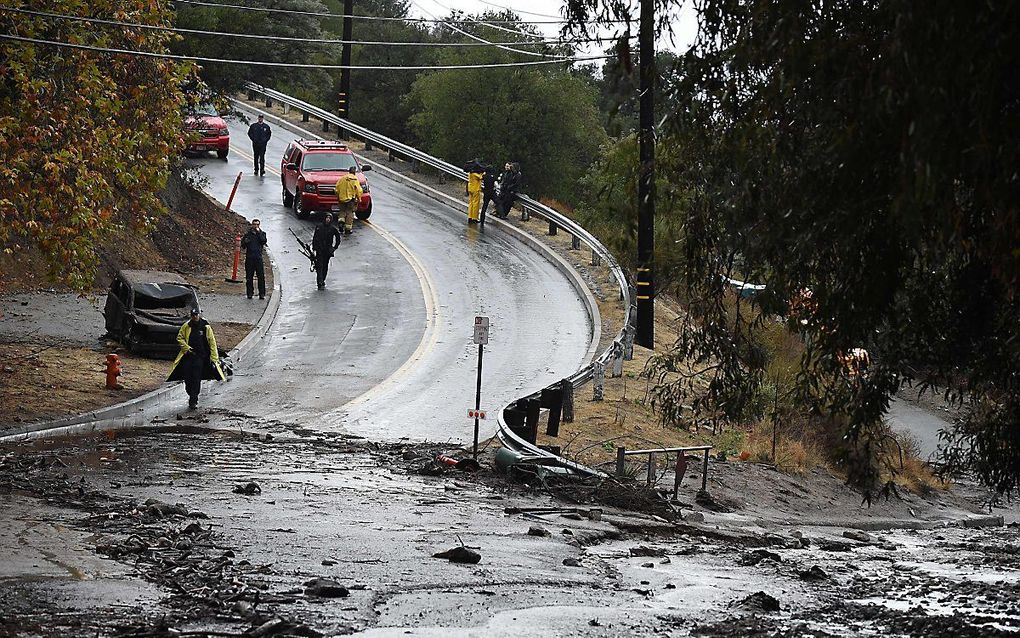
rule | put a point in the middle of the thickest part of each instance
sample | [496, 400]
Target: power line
[338, 16]
[46, 14]
[492, 25]
[474, 37]
[289, 65]
[519, 11]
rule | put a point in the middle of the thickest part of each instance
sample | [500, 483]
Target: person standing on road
[474, 192]
[325, 241]
[349, 192]
[259, 134]
[489, 178]
[509, 182]
[253, 242]
[198, 359]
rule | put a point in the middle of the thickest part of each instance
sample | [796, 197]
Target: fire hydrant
[113, 370]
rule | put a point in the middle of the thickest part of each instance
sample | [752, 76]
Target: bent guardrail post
[598, 384]
[567, 388]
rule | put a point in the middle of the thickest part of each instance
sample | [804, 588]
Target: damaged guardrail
[519, 420]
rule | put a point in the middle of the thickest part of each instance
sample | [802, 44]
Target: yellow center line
[429, 338]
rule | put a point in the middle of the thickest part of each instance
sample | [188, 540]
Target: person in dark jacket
[509, 182]
[252, 243]
[198, 359]
[259, 134]
[489, 189]
[325, 241]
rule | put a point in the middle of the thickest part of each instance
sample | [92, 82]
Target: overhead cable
[520, 11]
[59, 16]
[289, 65]
[478, 39]
[338, 15]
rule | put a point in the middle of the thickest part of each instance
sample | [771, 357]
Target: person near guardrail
[349, 192]
[489, 178]
[325, 241]
[199, 359]
[259, 133]
[474, 191]
[253, 241]
[509, 182]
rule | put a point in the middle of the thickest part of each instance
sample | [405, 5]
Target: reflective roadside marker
[476, 414]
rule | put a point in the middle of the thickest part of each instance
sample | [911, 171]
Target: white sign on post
[481, 336]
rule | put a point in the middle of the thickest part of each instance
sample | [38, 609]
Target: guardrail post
[567, 388]
[269, 103]
[628, 343]
[534, 410]
[415, 166]
[390, 156]
[442, 178]
[595, 259]
[286, 109]
[575, 243]
[325, 126]
[650, 479]
[525, 214]
[598, 381]
[304, 117]
[617, 360]
[368, 145]
[678, 472]
[552, 398]
[552, 228]
[251, 95]
[621, 462]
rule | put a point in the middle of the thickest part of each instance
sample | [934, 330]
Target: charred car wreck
[145, 309]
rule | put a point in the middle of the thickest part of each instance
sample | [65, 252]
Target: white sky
[684, 26]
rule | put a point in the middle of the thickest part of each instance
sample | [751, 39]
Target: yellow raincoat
[349, 188]
[210, 371]
[474, 191]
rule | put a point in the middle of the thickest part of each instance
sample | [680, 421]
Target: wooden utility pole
[345, 61]
[645, 334]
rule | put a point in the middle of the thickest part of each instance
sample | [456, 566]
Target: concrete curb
[548, 253]
[125, 415]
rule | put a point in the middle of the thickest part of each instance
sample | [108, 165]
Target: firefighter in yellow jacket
[474, 193]
[348, 191]
[198, 359]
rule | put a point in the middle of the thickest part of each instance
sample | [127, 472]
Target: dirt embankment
[49, 376]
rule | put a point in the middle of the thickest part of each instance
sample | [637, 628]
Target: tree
[860, 159]
[87, 139]
[543, 117]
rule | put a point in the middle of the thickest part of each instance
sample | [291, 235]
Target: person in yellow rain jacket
[348, 191]
[474, 192]
[198, 359]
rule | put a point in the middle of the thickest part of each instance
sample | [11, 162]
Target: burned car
[145, 309]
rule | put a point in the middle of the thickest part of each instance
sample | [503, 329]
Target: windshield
[206, 109]
[329, 162]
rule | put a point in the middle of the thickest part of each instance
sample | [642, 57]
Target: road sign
[481, 336]
[476, 414]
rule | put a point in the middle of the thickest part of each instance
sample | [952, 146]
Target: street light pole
[345, 61]
[645, 328]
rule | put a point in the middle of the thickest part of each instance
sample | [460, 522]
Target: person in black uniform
[325, 241]
[252, 243]
[489, 189]
[259, 134]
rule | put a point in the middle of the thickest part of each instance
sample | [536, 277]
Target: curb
[124, 415]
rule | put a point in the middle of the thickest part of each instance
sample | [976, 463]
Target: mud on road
[190, 531]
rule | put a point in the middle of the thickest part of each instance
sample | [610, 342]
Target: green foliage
[543, 117]
[867, 153]
[609, 208]
[87, 139]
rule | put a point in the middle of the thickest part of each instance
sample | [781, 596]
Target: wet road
[385, 351]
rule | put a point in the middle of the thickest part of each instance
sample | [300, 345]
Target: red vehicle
[207, 132]
[309, 172]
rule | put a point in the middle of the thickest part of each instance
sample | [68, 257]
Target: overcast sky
[684, 26]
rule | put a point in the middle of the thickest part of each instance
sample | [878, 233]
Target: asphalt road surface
[385, 351]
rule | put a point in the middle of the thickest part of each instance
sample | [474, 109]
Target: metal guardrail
[622, 343]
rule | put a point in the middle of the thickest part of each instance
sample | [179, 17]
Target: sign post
[481, 337]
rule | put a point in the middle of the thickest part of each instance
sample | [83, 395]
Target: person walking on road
[509, 182]
[198, 359]
[325, 241]
[259, 134]
[489, 178]
[349, 192]
[474, 192]
[253, 242]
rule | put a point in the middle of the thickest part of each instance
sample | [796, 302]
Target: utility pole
[345, 61]
[645, 333]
